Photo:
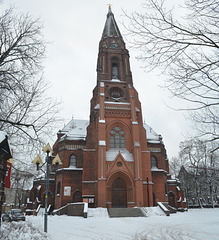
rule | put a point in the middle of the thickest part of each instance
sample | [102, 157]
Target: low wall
[72, 209]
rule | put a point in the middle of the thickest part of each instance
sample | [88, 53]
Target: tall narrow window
[58, 188]
[115, 71]
[73, 161]
[153, 162]
[117, 138]
[115, 68]
[111, 141]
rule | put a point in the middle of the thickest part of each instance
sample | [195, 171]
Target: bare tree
[200, 174]
[27, 113]
[175, 164]
[21, 181]
[187, 49]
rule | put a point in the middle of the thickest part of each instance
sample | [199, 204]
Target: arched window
[58, 188]
[115, 68]
[153, 162]
[115, 71]
[117, 138]
[73, 161]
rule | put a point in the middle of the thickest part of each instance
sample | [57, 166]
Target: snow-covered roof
[113, 152]
[4, 144]
[152, 136]
[74, 130]
[77, 130]
[2, 136]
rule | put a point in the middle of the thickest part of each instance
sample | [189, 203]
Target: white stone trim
[148, 183]
[89, 181]
[102, 143]
[97, 106]
[158, 170]
[69, 169]
[102, 121]
[118, 103]
[137, 144]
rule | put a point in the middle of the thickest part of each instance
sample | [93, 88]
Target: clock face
[114, 45]
[116, 93]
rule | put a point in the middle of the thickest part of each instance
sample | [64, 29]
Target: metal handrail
[144, 209]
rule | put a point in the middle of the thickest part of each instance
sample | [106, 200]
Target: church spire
[111, 29]
[113, 57]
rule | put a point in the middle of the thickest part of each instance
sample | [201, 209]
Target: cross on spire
[110, 5]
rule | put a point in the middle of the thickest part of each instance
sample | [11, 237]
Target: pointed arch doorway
[119, 193]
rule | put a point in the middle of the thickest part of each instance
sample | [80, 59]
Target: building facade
[114, 159]
[5, 155]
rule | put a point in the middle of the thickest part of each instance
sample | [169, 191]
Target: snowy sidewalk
[192, 225]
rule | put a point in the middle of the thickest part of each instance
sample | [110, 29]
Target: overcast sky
[74, 29]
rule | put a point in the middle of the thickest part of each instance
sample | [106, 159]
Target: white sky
[74, 29]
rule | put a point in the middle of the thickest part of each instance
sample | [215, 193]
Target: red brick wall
[68, 178]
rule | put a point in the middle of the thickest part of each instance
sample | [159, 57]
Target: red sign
[91, 200]
[8, 174]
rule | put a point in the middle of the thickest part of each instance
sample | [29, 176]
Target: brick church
[114, 159]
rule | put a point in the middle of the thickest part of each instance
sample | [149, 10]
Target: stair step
[171, 209]
[125, 212]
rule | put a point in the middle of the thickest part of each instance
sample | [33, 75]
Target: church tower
[117, 165]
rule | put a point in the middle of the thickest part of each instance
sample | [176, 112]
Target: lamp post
[38, 161]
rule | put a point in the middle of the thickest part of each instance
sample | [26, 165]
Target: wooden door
[171, 199]
[119, 193]
[77, 197]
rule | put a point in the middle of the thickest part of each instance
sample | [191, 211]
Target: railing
[38, 209]
[163, 208]
[71, 209]
[144, 209]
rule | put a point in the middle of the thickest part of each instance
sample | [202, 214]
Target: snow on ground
[22, 231]
[195, 224]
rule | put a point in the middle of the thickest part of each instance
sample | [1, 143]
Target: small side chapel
[114, 159]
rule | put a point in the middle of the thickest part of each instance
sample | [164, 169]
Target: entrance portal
[119, 193]
[77, 197]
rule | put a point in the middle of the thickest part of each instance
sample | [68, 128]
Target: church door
[119, 193]
[77, 197]
[171, 199]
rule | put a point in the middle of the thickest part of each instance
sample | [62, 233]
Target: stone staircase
[125, 212]
[164, 206]
[171, 209]
[72, 209]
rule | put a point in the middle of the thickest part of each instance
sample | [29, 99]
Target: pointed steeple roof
[111, 29]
